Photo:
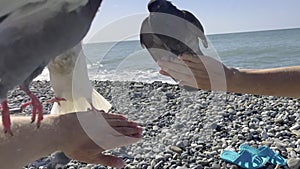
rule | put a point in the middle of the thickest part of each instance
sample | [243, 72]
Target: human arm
[210, 74]
[58, 132]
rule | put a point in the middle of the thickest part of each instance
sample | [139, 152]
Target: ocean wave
[147, 76]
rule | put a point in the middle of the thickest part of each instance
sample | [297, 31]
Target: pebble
[58, 159]
[189, 129]
[295, 127]
[176, 149]
[296, 132]
[294, 163]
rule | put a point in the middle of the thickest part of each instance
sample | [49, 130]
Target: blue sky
[217, 16]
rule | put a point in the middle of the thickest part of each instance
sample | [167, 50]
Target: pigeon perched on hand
[71, 85]
[32, 33]
[170, 29]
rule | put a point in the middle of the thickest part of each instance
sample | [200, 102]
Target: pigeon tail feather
[81, 104]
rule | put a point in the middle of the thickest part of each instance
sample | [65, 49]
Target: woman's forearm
[28, 142]
[283, 81]
[208, 73]
[65, 132]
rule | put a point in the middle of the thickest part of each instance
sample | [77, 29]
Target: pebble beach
[185, 129]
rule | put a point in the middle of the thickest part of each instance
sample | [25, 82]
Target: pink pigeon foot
[56, 100]
[36, 107]
[5, 118]
[96, 110]
[93, 108]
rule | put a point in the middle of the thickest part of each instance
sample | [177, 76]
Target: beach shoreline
[188, 129]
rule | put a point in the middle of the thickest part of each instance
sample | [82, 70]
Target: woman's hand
[200, 72]
[82, 145]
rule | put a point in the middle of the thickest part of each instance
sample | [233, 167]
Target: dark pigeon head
[160, 6]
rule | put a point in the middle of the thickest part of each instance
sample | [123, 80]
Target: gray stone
[296, 132]
[176, 149]
[294, 163]
[295, 127]
[198, 167]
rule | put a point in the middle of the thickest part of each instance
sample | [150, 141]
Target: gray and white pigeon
[32, 33]
[169, 29]
[70, 82]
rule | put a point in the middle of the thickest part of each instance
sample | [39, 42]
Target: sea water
[128, 61]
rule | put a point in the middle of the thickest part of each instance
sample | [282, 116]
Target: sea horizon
[127, 61]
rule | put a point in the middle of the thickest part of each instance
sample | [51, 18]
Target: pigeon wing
[152, 42]
[146, 37]
[195, 23]
[9, 6]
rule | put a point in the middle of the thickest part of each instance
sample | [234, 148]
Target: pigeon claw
[8, 131]
[105, 114]
[33, 116]
[93, 108]
[37, 108]
[6, 118]
[56, 100]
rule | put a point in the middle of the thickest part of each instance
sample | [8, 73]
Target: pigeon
[71, 85]
[172, 30]
[32, 33]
